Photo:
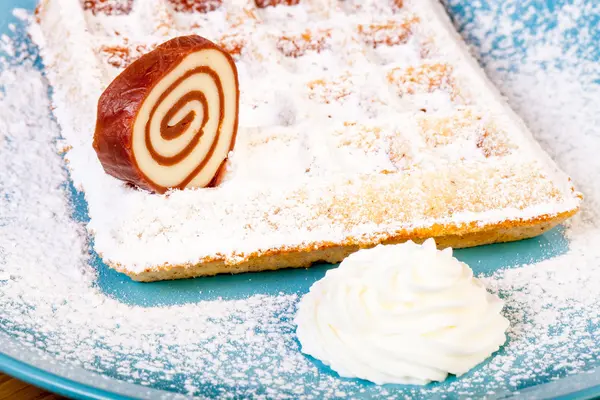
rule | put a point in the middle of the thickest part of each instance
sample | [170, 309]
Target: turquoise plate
[31, 364]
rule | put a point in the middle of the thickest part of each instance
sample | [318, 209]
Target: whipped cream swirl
[406, 313]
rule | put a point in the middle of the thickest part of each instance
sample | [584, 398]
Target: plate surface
[32, 365]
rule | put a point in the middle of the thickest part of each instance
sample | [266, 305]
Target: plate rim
[38, 368]
[71, 388]
[52, 382]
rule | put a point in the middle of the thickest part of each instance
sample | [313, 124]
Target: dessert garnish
[170, 119]
[404, 314]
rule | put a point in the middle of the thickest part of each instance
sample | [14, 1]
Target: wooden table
[13, 389]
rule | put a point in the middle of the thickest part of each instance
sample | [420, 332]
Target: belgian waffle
[361, 122]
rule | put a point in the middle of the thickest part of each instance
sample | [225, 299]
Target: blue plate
[31, 365]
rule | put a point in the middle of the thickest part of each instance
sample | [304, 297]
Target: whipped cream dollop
[406, 314]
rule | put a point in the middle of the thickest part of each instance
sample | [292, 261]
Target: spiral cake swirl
[170, 119]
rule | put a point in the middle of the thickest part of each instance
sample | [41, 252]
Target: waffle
[360, 122]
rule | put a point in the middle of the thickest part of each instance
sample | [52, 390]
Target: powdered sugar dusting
[247, 348]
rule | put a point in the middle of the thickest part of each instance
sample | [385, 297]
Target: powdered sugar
[246, 347]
